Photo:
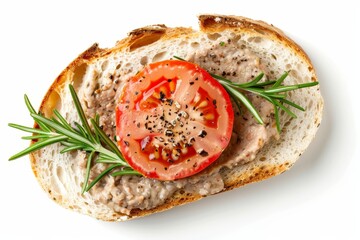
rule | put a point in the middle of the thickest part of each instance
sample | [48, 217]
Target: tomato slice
[173, 120]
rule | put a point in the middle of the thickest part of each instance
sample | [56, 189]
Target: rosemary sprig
[81, 137]
[271, 91]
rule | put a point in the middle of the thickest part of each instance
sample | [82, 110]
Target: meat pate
[123, 194]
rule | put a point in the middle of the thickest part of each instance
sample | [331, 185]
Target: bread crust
[137, 38]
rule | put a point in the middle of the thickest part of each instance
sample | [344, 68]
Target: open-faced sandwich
[171, 115]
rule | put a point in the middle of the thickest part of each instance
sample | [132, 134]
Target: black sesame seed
[191, 83]
[126, 143]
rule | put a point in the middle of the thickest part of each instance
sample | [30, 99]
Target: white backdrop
[317, 198]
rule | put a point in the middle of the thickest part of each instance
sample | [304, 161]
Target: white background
[317, 198]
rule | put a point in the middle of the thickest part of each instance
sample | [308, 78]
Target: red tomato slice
[173, 120]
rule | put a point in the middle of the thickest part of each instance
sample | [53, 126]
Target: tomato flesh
[173, 120]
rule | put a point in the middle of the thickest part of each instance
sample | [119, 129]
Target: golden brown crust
[147, 35]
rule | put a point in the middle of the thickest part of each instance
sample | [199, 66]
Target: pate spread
[231, 60]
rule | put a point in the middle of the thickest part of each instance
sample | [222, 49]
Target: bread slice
[61, 175]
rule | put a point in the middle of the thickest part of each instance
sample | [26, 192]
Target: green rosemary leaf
[97, 119]
[281, 89]
[87, 175]
[277, 118]
[253, 82]
[246, 102]
[71, 148]
[290, 88]
[278, 96]
[81, 130]
[106, 139]
[28, 129]
[32, 110]
[63, 120]
[285, 109]
[292, 104]
[125, 172]
[96, 122]
[236, 100]
[81, 113]
[264, 84]
[179, 58]
[38, 145]
[101, 175]
[55, 120]
[306, 85]
[36, 136]
[221, 78]
[280, 80]
[106, 159]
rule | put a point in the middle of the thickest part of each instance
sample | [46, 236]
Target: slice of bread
[62, 175]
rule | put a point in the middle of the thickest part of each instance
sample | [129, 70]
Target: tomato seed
[203, 104]
[209, 116]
